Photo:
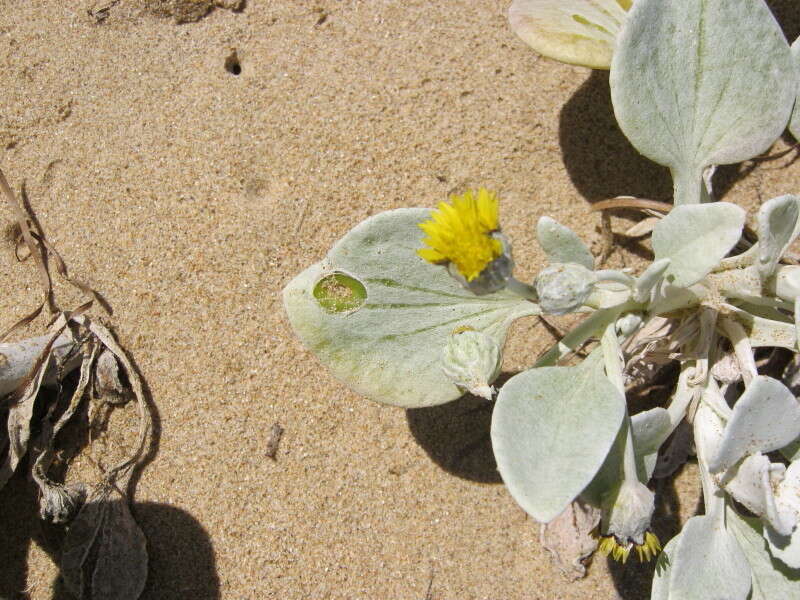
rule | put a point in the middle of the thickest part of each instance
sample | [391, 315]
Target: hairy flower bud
[564, 287]
[471, 360]
[627, 512]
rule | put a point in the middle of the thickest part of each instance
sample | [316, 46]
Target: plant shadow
[181, 562]
[599, 159]
[456, 435]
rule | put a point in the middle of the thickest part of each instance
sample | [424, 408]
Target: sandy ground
[189, 190]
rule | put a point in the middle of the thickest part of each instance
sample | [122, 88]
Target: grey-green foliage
[694, 84]
[701, 82]
[388, 347]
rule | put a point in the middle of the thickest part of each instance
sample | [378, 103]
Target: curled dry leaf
[105, 551]
[568, 538]
[107, 384]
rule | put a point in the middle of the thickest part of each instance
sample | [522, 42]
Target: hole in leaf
[338, 293]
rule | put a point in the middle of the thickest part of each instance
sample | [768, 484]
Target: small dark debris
[274, 440]
[232, 64]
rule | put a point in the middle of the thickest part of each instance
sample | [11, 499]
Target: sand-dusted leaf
[753, 426]
[764, 332]
[700, 83]
[105, 551]
[695, 238]
[777, 223]
[770, 579]
[569, 540]
[581, 32]
[561, 244]
[552, 428]
[387, 344]
[708, 563]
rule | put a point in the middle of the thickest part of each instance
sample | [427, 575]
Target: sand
[189, 190]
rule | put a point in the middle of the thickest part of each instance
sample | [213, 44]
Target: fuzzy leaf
[794, 122]
[650, 429]
[561, 244]
[383, 331]
[581, 32]
[552, 428]
[777, 222]
[708, 563]
[754, 427]
[660, 589]
[700, 83]
[695, 238]
[770, 579]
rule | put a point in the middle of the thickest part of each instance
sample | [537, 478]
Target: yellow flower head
[460, 233]
[610, 546]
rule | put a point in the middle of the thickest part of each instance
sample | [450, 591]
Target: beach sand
[187, 171]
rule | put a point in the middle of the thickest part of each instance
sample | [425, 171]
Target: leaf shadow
[456, 435]
[599, 159]
[181, 564]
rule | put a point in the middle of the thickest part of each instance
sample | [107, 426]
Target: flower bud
[564, 287]
[627, 512]
[471, 360]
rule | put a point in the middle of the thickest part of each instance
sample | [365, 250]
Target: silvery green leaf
[765, 332]
[660, 589]
[786, 549]
[695, 238]
[770, 579]
[708, 563]
[561, 244]
[552, 428]
[777, 222]
[650, 429]
[379, 316]
[794, 122]
[752, 483]
[753, 426]
[700, 83]
[581, 32]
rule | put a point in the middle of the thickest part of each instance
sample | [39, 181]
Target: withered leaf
[105, 551]
[568, 538]
[108, 385]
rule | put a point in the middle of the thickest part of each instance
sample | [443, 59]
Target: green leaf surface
[561, 244]
[378, 316]
[695, 238]
[708, 563]
[552, 428]
[777, 224]
[650, 429]
[701, 82]
[660, 589]
[794, 122]
[754, 425]
[770, 579]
